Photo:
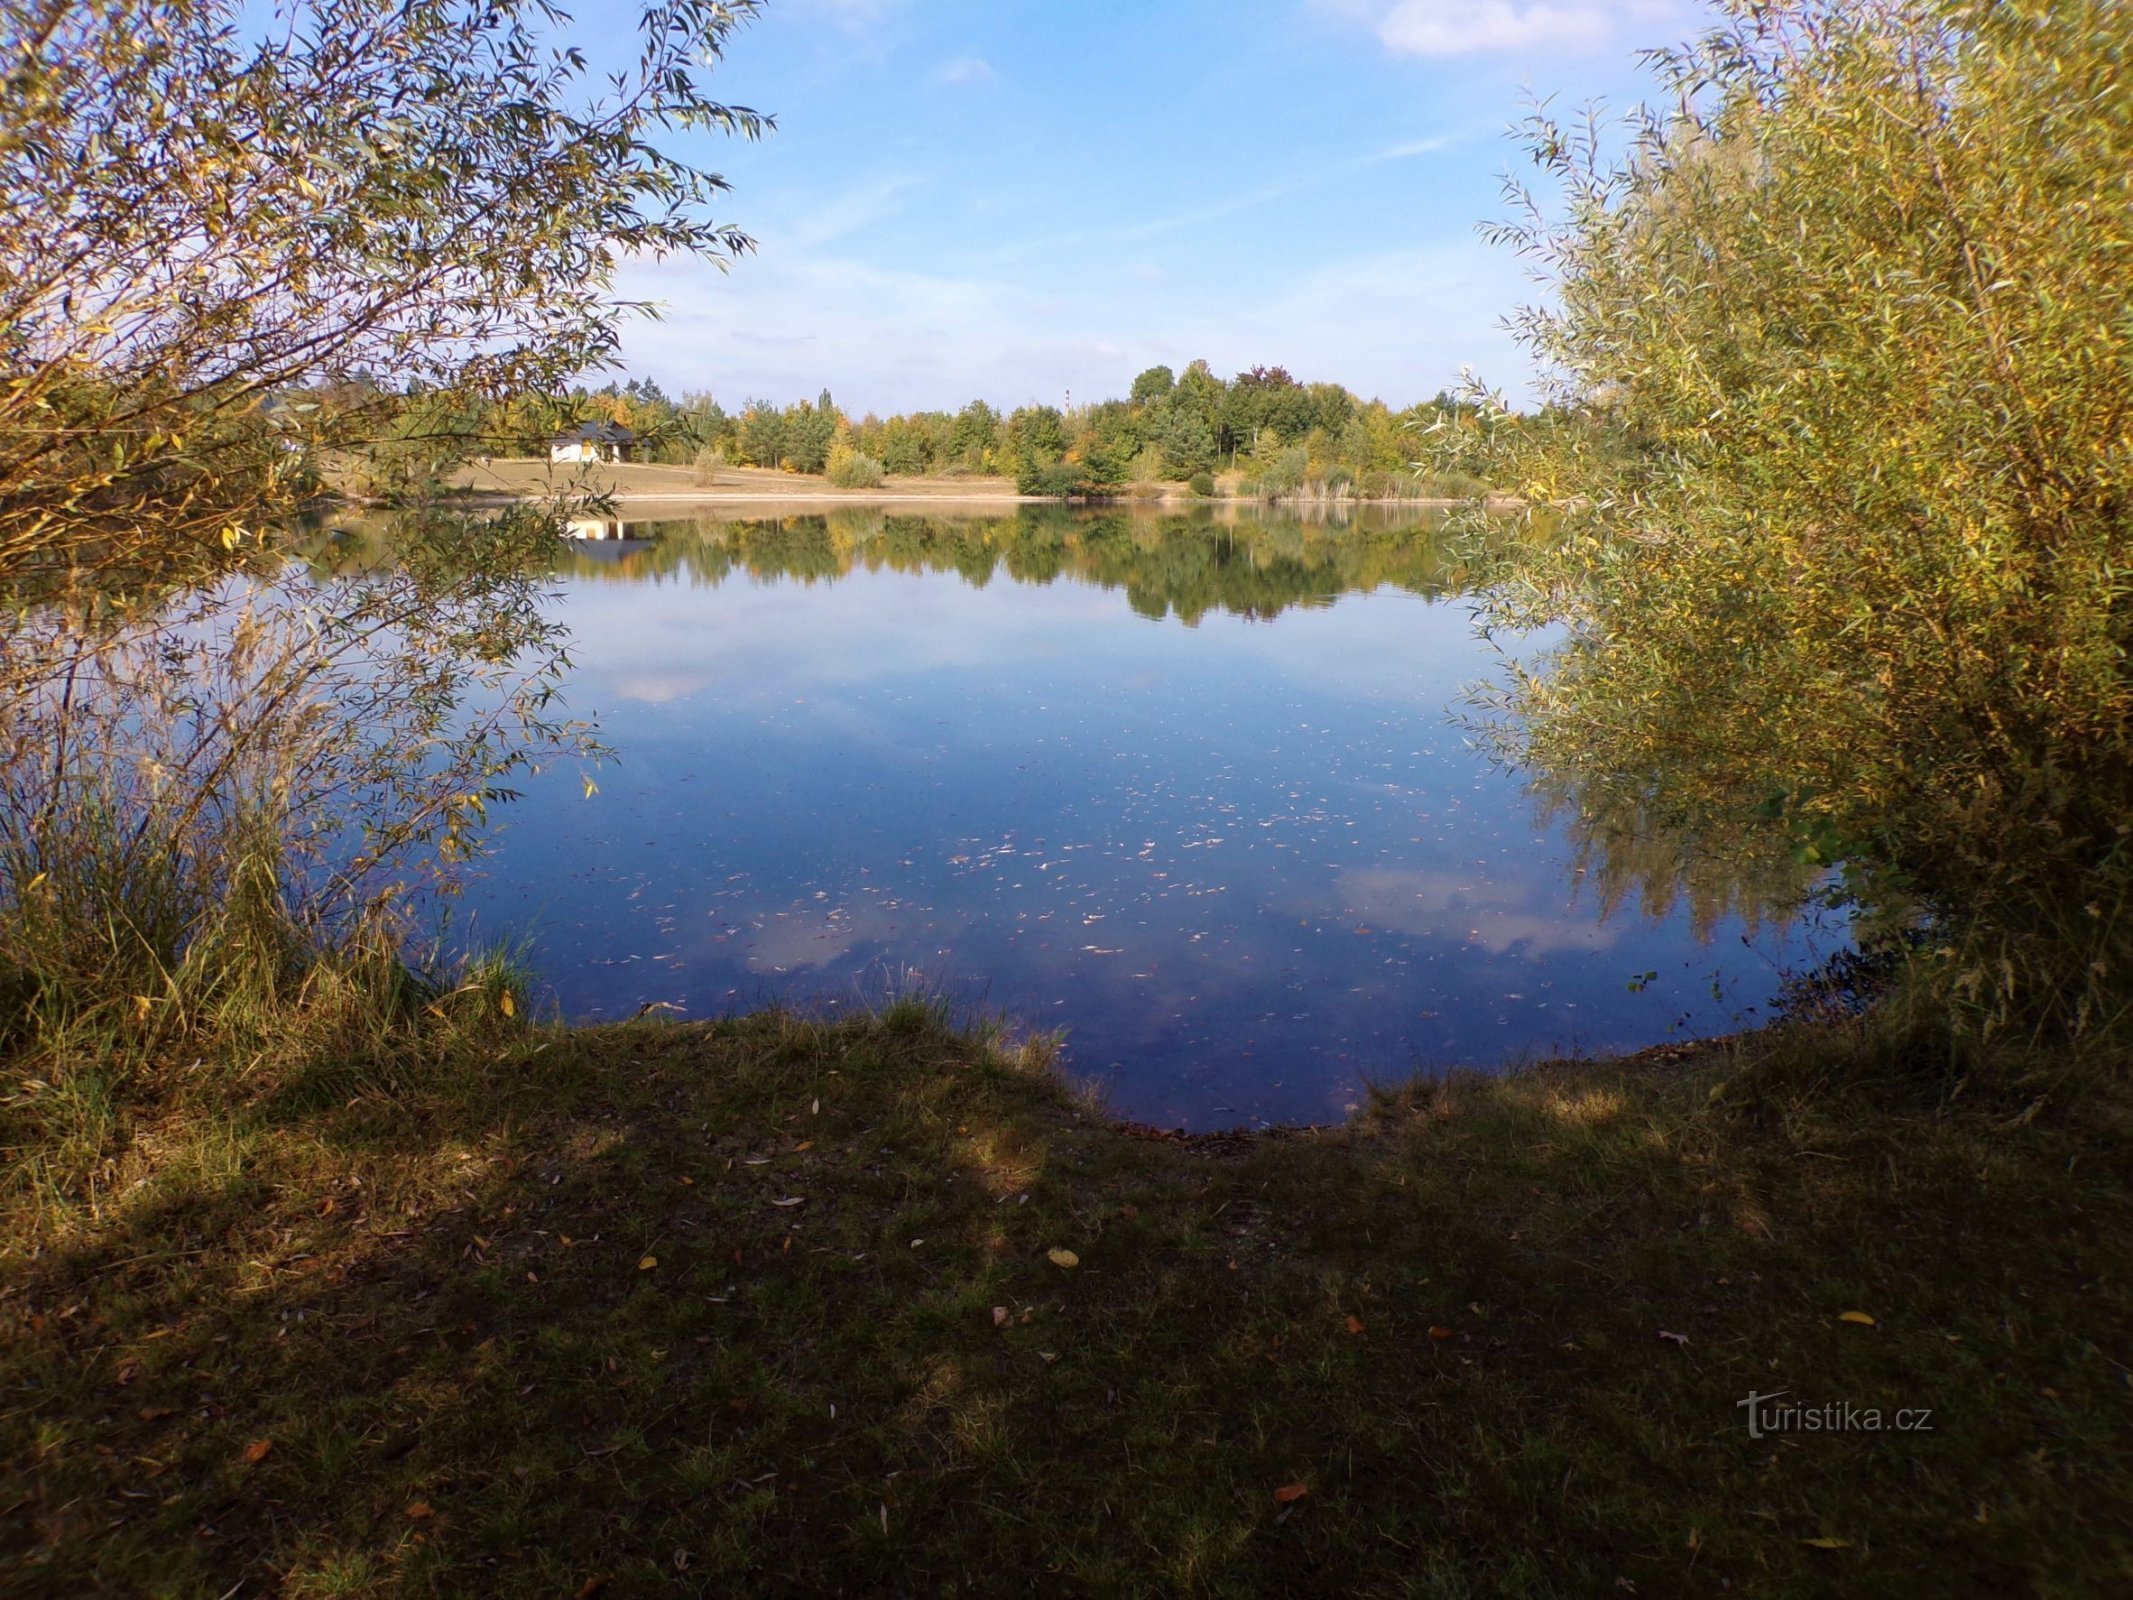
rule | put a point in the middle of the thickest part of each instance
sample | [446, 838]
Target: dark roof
[595, 433]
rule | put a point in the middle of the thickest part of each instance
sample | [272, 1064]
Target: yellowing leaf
[1062, 1258]
[1289, 1493]
[506, 1004]
[420, 1511]
[647, 1263]
[1859, 1317]
[258, 1450]
[1827, 1544]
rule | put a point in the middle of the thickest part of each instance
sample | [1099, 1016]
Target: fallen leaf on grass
[999, 1316]
[1440, 1333]
[1289, 1493]
[420, 1511]
[1859, 1317]
[647, 1263]
[1062, 1258]
[804, 1144]
[1679, 1341]
[1355, 1324]
[589, 1588]
[1827, 1544]
[791, 1200]
[258, 1450]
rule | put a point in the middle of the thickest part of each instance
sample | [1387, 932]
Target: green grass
[534, 1322]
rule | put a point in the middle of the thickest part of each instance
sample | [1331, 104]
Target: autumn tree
[1839, 434]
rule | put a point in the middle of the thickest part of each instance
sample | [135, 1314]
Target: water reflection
[1246, 862]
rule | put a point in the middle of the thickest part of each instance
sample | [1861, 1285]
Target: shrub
[710, 462]
[1058, 478]
[848, 469]
[1203, 485]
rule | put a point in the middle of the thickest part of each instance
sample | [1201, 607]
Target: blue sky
[1018, 199]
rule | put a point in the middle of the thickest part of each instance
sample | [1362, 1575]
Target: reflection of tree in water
[1630, 847]
[1169, 565]
[220, 779]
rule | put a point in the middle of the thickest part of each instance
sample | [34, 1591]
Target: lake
[1198, 794]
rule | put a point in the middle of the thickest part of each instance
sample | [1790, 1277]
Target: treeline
[1267, 433]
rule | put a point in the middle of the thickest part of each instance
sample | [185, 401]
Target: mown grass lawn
[771, 1306]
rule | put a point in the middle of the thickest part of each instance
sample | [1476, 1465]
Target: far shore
[502, 480]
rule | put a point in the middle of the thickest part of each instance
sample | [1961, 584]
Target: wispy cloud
[964, 69]
[1249, 199]
[852, 210]
[1436, 28]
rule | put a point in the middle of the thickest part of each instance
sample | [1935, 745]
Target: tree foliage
[228, 242]
[1841, 435]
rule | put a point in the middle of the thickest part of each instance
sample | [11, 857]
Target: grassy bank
[773, 1306]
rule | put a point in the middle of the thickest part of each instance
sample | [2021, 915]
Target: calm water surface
[1194, 795]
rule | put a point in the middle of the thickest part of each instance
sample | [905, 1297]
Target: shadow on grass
[770, 1307]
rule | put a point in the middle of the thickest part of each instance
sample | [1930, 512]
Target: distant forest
[1275, 435]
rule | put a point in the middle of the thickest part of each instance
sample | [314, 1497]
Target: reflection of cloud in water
[791, 639]
[797, 940]
[656, 688]
[1498, 917]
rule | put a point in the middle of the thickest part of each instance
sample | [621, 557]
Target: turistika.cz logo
[1769, 1413]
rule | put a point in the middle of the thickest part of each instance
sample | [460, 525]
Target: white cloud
[789, 320]
[1437, 28]
[964, 69]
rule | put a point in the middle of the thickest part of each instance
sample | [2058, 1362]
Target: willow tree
[1840, 422]
[231, 238]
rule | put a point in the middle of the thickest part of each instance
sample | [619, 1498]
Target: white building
[592, 441]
